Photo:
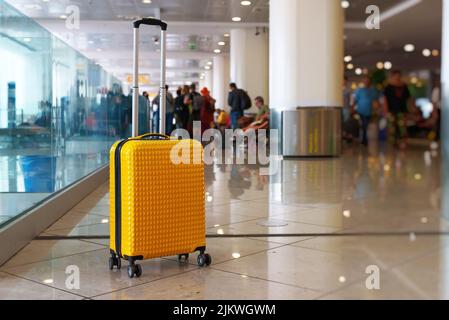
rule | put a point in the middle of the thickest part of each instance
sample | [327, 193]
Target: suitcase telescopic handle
[163, 90]
[151, 22]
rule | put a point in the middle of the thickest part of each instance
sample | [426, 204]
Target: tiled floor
[365, 191]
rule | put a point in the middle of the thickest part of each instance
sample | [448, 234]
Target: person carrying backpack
[238, 102]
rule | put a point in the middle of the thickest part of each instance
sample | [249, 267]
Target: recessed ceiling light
[236, 255]
[409, 47]
[426, 53]
[236, 19]
[388, 65]
[146, 1]
[27, 39]
[358, 71]
[347, 58]
[227, 35]
[217, 51]
[345, 4]
[207, 67]
[245, 3]
[210, 63]
[350, 66]
[221, 43]
[63, 16]
[380, 65]
[435, 53]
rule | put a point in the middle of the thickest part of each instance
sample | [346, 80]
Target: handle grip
[156, 136]
[150, 22]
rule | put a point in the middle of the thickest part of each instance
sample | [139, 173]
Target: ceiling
[196, 27]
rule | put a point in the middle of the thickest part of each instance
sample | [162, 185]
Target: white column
[306, 53]
[445, 107]
[221, 81]
[445, 55]
[208, 80]
[250, 61]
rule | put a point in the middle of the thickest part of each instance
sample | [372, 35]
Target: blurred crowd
[189, 106]
[390, 110]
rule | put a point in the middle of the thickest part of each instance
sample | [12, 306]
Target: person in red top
[207, 111]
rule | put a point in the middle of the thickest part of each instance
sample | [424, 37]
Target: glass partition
[59, 114]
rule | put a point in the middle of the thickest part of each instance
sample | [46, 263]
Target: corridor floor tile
[88, 230]
[75, 219]
[428, 273]
[14, 288]
[391, 288]
[95, 276]
[223, 250]
[382, 251]
[306, 268]
[49, 249]
[211, 285]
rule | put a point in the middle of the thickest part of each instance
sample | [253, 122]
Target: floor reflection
[376, 190]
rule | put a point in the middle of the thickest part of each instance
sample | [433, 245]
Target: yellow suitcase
[157, 207]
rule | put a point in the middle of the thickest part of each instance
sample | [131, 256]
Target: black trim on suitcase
[118, 199]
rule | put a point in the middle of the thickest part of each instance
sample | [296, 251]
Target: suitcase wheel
[185, 256]
[204, 260]
[134, 270]
[115, 261]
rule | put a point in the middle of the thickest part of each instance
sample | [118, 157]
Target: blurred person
[223, 119]
[432, 125]
[189, 108]
[179, 109]
[170, 97]
[235, 102]
[436, 94]
[347, 95]
[262, 120]
[365, 99]
[169, 114]
[207, 111]
[197, 102]
[397, 98]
